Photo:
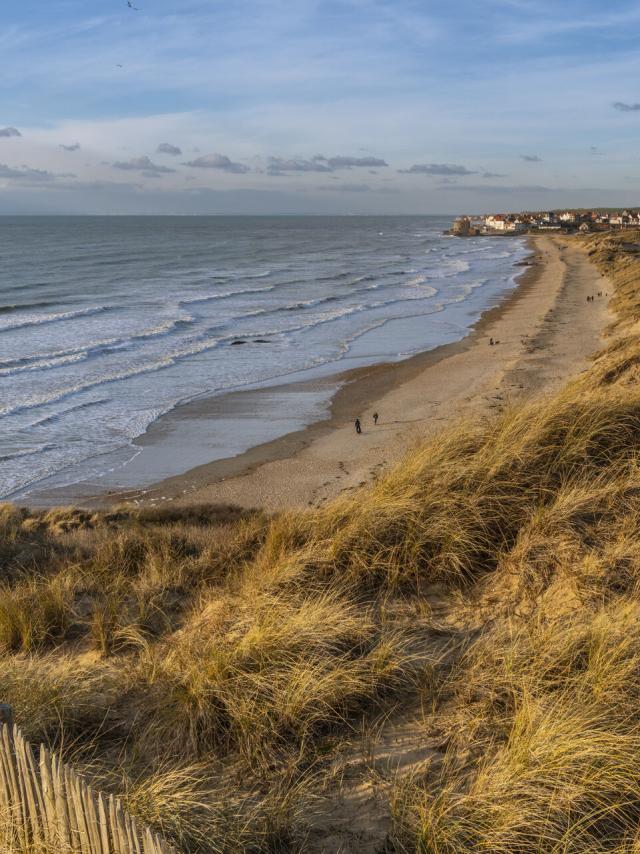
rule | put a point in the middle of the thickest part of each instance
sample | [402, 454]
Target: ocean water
[107, 323]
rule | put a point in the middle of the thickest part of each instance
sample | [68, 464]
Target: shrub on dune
[56, 698]
[35, 613]
[264, 673]
[549, 713]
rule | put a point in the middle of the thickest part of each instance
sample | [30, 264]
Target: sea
[107, 324]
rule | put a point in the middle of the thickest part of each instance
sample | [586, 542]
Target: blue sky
[364, 106]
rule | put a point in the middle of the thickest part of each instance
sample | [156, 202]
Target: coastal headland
[545, 332]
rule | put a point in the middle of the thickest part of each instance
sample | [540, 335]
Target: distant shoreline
[310, 465]
[346, 391]
[314, 464]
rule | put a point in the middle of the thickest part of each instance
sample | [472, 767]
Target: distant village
[569, 221]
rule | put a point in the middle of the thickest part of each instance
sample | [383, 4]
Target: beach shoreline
[315, 463]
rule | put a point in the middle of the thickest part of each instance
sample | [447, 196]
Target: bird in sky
[118, 65]
[131, 6]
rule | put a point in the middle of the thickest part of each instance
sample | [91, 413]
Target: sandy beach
[545, 332]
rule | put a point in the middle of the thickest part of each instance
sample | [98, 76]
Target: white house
[497, 222]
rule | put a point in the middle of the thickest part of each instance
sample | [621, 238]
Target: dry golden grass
[545, 755]
[210, 665]
[56, 698]
[266, 674]
[539, 719]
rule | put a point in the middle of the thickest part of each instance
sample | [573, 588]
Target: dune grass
[210, 665]
[546, 715]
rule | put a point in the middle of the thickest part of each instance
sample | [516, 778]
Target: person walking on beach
[375, 417]
[358, 427]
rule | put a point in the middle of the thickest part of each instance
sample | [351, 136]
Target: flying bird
[118, 65]
[131, 6]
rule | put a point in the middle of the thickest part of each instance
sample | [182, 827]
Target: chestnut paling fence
[46, 807]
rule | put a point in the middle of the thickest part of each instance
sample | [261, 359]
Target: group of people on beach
[358, 425]
[591, 298]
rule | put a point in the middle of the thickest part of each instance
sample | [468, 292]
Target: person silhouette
[375, 417]
[357, 426]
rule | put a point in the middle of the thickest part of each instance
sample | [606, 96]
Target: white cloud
[26, 175]
[283, 165]
[167, 148]
[345, 162]
[143, 164]
[218, 161]
[626, 108]
[437, 169]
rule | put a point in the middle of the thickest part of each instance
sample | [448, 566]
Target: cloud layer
[303, 95]
[218, 161]
[437, 169]
[144, 165]
[345, 162]
[28, 177]
[284, 165]
[626, 108]
[167, 148]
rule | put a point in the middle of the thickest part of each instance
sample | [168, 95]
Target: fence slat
[62, 812]
[149, 844]
[36, 783]
[5, 802]
[137, 845]
[115, 832]
[130, 835]
[104, 824]
[74, 820]
[23, 784]
[35, 804]
[92, 820]
[80, 807]
[49, 797]
[9, 761]
[122, 830]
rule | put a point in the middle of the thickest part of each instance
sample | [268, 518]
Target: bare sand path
[546, 332]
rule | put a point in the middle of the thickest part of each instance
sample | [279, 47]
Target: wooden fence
[46, 807]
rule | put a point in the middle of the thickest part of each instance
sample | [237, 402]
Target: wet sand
[546, 331]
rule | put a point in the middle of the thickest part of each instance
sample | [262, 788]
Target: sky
[318, 106]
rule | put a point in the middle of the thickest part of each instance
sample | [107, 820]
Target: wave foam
[56, 317]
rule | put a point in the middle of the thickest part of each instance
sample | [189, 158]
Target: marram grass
[214, 667]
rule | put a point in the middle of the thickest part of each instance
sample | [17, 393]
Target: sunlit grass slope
[210, 664]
